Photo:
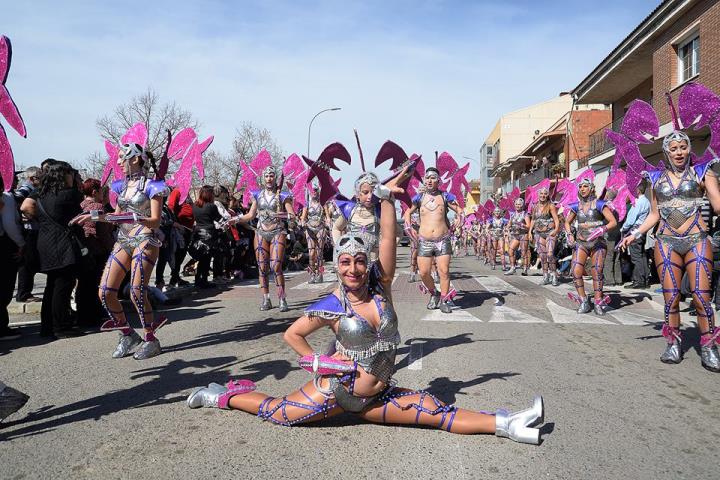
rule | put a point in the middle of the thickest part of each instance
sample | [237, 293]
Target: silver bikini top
[589, 220]
[139, 200]
[543, 219]
[518, 225]
[496, 225]
[315, 215]
[678, 205]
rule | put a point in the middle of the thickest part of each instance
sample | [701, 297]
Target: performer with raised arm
[357, 378]
[677, 194]
[274, 211]
[594, 219]
[544, 227]
[518, 230]
[359, 215]
[434, 237]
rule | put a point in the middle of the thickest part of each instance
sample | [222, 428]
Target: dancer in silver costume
[360, 313]
[475, 232]
[518, 231]
[682, 244]
[434, 238]
[496, 235]
[314, 220]
[359, 215]
[544, 227]
[274, 210]
[135, 251]
[594, 219]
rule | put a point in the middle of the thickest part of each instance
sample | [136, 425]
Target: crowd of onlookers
[35, 238]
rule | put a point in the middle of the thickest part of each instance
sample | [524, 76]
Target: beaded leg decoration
[550, 253]
[263, 261]
[670, 284]
[138, 289]
[427, 404]
[579, 257]
[276, 265]
[279, 414]
[109, 297]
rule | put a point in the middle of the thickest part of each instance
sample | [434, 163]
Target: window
[489, 150]
[689, 59]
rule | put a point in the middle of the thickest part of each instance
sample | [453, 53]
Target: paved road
[613, 410]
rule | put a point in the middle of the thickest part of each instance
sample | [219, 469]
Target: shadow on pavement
[447, 390]
[430, 345]
[172, 378]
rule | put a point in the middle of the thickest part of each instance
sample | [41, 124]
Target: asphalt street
[613, 410]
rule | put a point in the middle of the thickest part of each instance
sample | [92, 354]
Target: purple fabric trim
[330, 304]
[117, 186]
[653, 176]
[449, 197]
[255, 194]
[345, 207]
[701, 169]
[154, 188]
[284, 196]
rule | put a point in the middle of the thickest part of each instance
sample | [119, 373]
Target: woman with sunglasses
[138, 212]
[357, 378]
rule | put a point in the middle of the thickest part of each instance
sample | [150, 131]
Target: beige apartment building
[512, 133]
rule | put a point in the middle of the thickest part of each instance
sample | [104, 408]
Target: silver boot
[148, 350]
[598, 309]
[709, 353]
[283, 305]
[313, 279]
[546, 279]
[511, 271]
[516, 426]
[673, 352]
[319, 278]
[412, 278]
[554, 279]
[127, 344]
[206, 396]
[266, 305]
[445, 306]
[585, 306]
[434, 301]
[524, 272]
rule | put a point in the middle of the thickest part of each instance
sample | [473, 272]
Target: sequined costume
[136, 241]
[518, 238]
[271, 229]
[435, 247]
[543, 228]
[361, 221]
[316, 233]
[589, 217]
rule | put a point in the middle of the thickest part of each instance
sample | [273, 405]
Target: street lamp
[334, 109]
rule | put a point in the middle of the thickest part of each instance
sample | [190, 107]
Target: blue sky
[430, 75]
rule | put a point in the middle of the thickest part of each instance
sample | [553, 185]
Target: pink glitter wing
[299, 186]
[446, 164]
[567, 190]
[8, 109]
[391, 150]
[331, 153]
[514, 195]
[7, 161]
[322, 166]
[699, 107]
[183, 177]
[419, 166]
[198, 160]
[181, 143]
[293, 167]
[137, 134]
[112, 163]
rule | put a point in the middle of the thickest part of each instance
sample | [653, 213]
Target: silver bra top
[315, 215]
[589, 220]
[496, 225]
[371, 228]
[357, 339]
[268, 207]
[518, 226]
[542, 219]
[677, 205]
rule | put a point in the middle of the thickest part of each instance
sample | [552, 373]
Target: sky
[429, 75]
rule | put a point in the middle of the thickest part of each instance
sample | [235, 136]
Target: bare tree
[94, 164]
[249, 140]
[158, 119]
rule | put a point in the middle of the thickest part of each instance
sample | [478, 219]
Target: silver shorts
[435, 248]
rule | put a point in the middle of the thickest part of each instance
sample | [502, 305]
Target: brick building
[676, 43]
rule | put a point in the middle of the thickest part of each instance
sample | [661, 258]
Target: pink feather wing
[112, 163]
[391, 150]
[446, 164]
[699, 107]
[5, 58]
[9, 110]
[198, 159]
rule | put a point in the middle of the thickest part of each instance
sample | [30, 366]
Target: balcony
[599, 143]
[534, 177]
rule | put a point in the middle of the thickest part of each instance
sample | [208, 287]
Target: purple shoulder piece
[284, 196]
[653, 176]
[255, 194]
[574, 207]
[117, 186]
[154, 188]
[416, 199]
[345, 207]
[600, 204]
[701, 169]
[327, 307]
[449, 197]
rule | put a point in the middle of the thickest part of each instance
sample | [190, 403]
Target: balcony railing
[534, 177]
[599, 143]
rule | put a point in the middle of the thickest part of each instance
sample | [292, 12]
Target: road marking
[505, 314]
[456, 316]
[629, 318]
[562, 289]
[565, 315]
[415, 357]
[313, 286]
[495, 284]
